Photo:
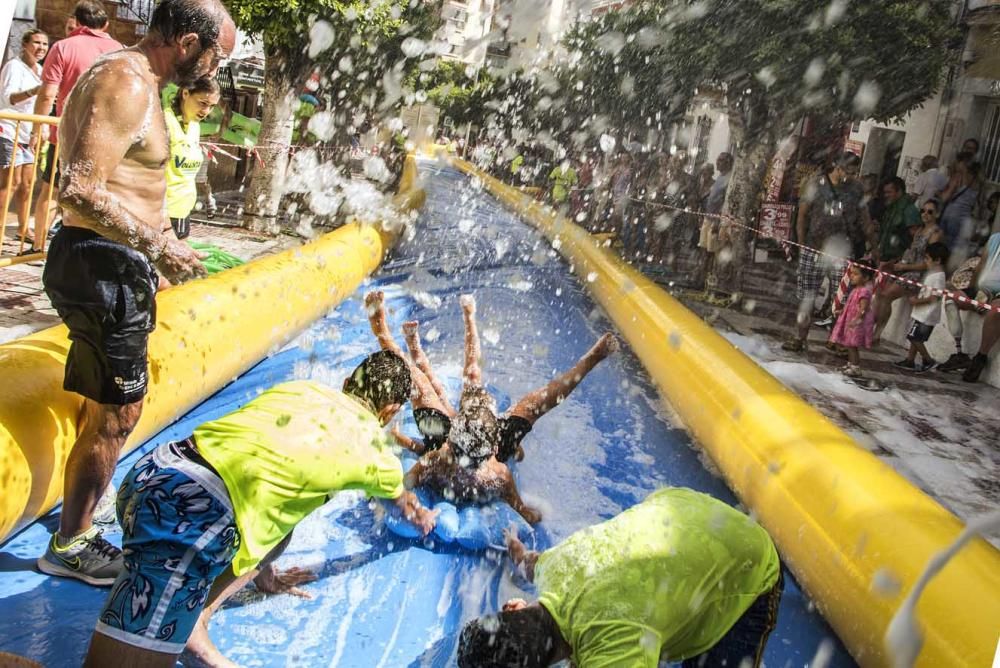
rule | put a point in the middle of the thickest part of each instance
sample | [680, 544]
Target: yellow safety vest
[185, 160]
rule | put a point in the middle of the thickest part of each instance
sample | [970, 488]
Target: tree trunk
[267, 183]
[750, 159]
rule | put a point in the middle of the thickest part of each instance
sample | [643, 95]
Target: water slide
[382, 600]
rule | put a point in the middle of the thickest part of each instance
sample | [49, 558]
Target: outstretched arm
[514, 500]
[423, 518]
[270, 580]
[406, 442]
[536, 404]
[519, 554]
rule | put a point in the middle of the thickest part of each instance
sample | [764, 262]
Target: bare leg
[200, 650]
[424, 395]
[922, 349]
[472, 374]
[536, 404]
[853, 357]
[411, 333]
[105, 651]
[92, 461]
[44, 207]
[883, 306]
[23, 196]
[991, 330]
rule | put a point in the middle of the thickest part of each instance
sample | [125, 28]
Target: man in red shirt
[66, 61]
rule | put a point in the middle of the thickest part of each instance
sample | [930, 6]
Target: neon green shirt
[562, 181]
[182, 168]
[667, 578]
[286, 451]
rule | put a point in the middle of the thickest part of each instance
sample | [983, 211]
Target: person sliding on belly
[679, 577]
[464, 452]
[202, 517]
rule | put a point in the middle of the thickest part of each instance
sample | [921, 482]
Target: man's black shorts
[50, 163]
[434, 426]
[105, 293]
[919, 332]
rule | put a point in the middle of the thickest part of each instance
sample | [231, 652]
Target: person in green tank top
[203, 517]
[184, 114]
[678, 577]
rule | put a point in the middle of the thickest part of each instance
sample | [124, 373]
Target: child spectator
[855, 327]
[926, 309]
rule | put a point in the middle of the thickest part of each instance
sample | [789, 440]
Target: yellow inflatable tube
[855, 533]
[208, 333]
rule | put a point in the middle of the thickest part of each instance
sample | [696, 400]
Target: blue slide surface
[383, 601]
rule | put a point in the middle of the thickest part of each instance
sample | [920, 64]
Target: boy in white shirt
[926, 310]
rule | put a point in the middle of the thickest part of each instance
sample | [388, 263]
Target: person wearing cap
[464, 452]
[679, 577]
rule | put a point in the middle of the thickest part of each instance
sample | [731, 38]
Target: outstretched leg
[536, 404]
[424, 395]
[411, 332]
[472, 374]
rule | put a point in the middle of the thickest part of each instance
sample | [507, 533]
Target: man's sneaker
[826, 322]
[976, 368]
[905, 364]
[956, 362]
[88, 557]
[926, 365]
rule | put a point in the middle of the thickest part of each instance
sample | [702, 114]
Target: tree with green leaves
[363, 51]
[771, 62]
[462, 92]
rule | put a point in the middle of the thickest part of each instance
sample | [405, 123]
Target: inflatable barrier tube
[208, 332]
[856, 534]
[474, 527]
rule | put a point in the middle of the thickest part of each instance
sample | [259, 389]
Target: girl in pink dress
[855, 327]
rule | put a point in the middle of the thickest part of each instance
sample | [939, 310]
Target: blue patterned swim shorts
[179, 534]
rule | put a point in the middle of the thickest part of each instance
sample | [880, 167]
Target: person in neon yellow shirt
[563, 180]
[189, 107]
[202, 517]
[680, 576]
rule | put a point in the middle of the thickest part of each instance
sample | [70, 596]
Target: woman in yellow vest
[184, 116]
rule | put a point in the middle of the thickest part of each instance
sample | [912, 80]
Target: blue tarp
[385, 601]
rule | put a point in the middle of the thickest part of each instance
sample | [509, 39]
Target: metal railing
[25, 207]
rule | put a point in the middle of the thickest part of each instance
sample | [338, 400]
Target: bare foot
[374, 301]
[411, 330]
[606, 345]
[200, 652]
[468, 304]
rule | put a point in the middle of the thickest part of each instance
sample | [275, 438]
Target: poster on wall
[776, 221]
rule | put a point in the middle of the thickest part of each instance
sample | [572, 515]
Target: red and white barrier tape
[957, 295]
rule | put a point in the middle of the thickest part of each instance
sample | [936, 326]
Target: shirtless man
[101, 273]
[464, 451]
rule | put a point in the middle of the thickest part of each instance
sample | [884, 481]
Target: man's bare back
[116, 148]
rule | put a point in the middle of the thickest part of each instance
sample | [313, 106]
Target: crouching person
[202, 517]
[680, 577]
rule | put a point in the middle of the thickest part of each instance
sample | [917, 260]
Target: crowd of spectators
[663, 210]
